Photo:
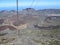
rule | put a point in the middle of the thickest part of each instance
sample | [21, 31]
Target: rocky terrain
[25, 31]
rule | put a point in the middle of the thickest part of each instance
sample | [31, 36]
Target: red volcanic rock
[5, 27]
[12, 28]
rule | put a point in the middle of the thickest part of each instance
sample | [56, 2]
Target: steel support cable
[17, 11]
[30, 6]
[32, 3]
[18, 15]
[17, 19]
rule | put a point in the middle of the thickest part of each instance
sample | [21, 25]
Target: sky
[36, 4]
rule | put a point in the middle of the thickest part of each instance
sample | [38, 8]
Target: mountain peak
[3, 11]
[12, 11]
[29, 9]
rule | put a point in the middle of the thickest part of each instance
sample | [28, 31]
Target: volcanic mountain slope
[28, 15]
[29, 35]
[28, 11]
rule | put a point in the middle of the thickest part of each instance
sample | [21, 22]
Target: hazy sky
[37, 4]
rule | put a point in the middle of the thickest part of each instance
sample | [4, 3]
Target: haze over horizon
[36, 4]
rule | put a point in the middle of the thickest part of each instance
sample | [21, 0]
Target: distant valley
[28, 15]
[31, 27]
